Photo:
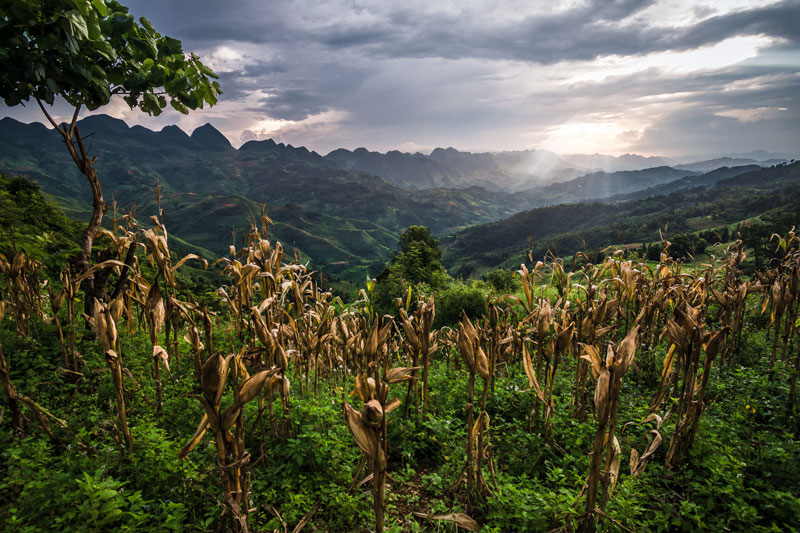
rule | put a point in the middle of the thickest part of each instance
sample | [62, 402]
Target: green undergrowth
[741, 475]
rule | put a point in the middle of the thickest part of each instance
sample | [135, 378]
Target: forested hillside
[566, 229]
[343, 221]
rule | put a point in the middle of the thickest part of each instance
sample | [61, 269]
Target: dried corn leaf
[188, 257]
[601, 392]
[714, 343]
[400, 374]
[160, 353]
[534, 383]
[99, 266]
[155, 310]
[252, 386]
[593, 356]
[411, 334]
[195, 440]
[599, 333]
[230, 415]
[654, 444]
[634, 460]
[653, 416]
[364, 435]
[626, 351]
[613, 470]
[460, 519]
[668, 359]
[482, 363]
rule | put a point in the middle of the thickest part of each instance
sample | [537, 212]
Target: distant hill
[409, 171]
[700, 180]
[566, 229]
[527, 170]
[605, 184]
[531, 168]
[448, 167]
[609, 163]
[755, 155]
[712, 164]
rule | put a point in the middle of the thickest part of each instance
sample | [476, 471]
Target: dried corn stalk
[477, 426]
[608, 372]
[368, 425]
[105, 329]
[227, 424]
[422, 341]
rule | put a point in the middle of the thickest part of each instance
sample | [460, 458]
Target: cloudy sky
[671, 77]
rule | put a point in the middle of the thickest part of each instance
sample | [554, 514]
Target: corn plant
[421, 341]
[157, 307]
[17, 420]
[608, 372]
[104, 324]
[477, 442]
[368, 425]
[689, 338]
[21, 274]
[213, 374]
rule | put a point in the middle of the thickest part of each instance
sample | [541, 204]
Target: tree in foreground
[85, 52]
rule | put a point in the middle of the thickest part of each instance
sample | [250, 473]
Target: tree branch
[50, 119]
[74, 120]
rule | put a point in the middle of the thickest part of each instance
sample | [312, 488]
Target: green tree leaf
[78, 24]
[101, 8]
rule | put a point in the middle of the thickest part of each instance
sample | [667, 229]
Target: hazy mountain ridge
[513, 171]
[600, 185]
[506, 171]
[730, 162]
[610, 163]
[700, 180]
[568, 228]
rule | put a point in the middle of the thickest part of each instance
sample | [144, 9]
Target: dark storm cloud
[580, 33]
[211, 21]
[314, 44]
[583, 33]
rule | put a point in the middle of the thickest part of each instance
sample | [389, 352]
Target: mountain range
[343, 211]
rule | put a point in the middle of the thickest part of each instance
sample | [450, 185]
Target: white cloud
[753, 114]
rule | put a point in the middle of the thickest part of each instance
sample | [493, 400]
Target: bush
[458, 297]
[502, 281]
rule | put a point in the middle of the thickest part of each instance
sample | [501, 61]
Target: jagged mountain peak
[211, 137]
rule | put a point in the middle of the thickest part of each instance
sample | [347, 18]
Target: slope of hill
[566, 229]
[701, 180]
[604, 184]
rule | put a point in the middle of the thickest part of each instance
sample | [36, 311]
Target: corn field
[591, 383]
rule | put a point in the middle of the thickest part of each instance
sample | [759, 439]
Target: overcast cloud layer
[675, 77]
